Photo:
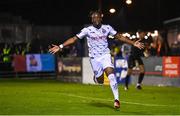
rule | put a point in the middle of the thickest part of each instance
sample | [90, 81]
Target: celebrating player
[99, 53]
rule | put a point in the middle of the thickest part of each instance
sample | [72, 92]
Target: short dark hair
[95, 12]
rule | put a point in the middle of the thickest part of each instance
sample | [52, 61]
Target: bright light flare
[128, 2]
[112, 10]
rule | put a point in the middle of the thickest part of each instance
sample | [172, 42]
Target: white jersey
[97, 39]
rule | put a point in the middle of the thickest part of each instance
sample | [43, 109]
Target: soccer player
[135, 59]
[99, 53]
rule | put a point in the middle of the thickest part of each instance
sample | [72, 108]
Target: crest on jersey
[103, 30]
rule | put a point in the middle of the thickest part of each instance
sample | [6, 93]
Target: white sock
[114, 86]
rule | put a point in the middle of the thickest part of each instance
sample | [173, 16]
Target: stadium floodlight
[128, 2]
[112, 10]
[126, 35]
[133, 36]
[146, 37]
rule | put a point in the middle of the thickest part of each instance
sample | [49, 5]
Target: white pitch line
[100, 99]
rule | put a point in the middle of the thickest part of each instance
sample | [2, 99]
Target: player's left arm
[127, 40]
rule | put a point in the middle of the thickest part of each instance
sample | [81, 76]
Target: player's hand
[138, 44]
[54, 49]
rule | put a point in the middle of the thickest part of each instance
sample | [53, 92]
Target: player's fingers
[140, 44]
[141, 47]
[51, 49]
[53, 52]
[54, 45]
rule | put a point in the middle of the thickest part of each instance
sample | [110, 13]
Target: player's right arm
[56, 48]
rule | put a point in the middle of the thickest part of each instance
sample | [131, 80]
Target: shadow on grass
[102, 105]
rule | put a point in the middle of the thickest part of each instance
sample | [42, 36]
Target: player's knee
[142, 70]
[101, 76]
[129, 72]
[100, 79]
[109, 71]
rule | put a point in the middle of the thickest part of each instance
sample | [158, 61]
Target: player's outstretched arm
[56, 48]
[126, 40]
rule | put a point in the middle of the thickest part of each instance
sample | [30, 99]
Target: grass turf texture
[48, 97]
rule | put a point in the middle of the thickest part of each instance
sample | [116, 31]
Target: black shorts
[132, 61]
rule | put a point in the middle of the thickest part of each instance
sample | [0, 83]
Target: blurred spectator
[41, 50]
[73, 51]
[1, 52]
[28, 47]
[115, 50]
[175, 49]
[157, 47]
[153, 49]
[125, 49]
[6, 53]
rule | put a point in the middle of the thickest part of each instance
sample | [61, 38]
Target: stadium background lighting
[133, 36]
[128, 2]
[112, 10]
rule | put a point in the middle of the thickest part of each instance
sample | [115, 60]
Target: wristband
[61, 46]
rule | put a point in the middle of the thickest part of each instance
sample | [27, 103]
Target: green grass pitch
[51, 97]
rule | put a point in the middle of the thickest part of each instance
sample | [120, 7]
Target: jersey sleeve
[82, 34]
[112, 32]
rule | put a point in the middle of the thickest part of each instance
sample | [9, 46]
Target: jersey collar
[97, 26]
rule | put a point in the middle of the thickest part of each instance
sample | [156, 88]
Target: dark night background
[148, 14]
[32, 26]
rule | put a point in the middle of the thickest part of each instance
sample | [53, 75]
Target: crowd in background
[8, 50]
[175, 47]
[158, 48]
